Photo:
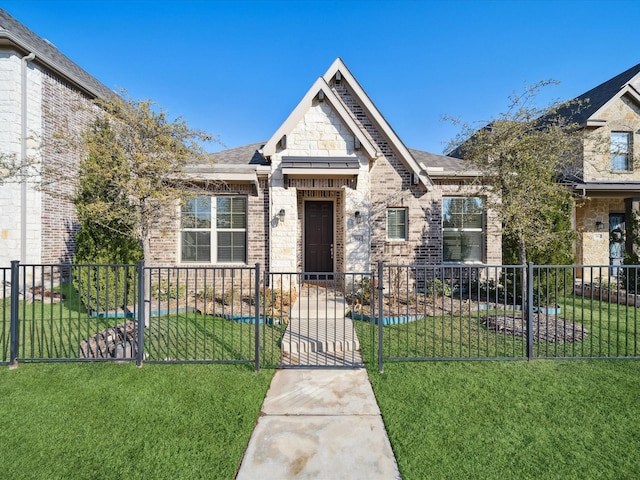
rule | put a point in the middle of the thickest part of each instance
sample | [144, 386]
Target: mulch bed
[546, 328]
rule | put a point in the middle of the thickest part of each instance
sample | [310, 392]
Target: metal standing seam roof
[312, 163]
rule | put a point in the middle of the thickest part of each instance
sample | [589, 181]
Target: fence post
[257, 313]
[14, 323]
[141, 313]
[529, 305]
[380, 315]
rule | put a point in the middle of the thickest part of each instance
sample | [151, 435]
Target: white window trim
[628, 153]
[213, 234]
[406, 224]
[482, 231]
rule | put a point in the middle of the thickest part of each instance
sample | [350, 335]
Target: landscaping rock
[114, 342]
[546, 328]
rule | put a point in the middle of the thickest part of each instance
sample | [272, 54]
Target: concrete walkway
[320, 423]
[318, 333]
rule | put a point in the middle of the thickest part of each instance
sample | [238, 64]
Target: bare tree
[522, 156]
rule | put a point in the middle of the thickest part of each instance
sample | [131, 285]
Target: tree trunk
[146, 251]
[522, 257]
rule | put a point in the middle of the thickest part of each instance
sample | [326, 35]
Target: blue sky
[237, 68]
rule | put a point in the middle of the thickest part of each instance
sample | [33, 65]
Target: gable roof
[17, 36]
[443, 166]
[584, 109]
[373, 112]
[322, 85]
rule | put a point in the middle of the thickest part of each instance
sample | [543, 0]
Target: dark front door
[318, 236]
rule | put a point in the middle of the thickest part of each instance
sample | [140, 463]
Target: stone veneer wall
[319, 133]
[592, 246]
[10, 144]
[621, 115]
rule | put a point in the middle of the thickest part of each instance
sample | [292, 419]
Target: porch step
[291, 344]
[319, 325]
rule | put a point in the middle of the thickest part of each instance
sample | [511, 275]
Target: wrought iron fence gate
[400, 312]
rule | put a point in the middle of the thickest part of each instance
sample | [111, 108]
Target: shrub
[167, 290]
[105, 276]
[437, 287]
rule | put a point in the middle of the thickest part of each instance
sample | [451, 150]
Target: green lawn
[560, 419]
[106, 421]
[55, 330]
[613, 331]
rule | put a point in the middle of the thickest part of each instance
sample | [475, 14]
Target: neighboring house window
[462, 229]
[621, 151]
[223, 240]
[396, 224]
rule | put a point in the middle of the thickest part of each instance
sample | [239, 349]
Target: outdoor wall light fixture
[599, 226]
[281, 214]
[358, 216]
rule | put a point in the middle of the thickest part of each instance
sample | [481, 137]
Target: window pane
[620, 150]
[462, 246]
[196, 247]
[196, 213]
[232, 247]
[231, 212]
[397, 224]
[463, 212]
[239, 213]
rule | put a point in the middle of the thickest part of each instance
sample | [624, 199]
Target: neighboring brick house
[41, 91]
[606, 179]
[333, 190]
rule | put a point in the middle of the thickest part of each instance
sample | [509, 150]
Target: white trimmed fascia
[301, 109]
[374, 113]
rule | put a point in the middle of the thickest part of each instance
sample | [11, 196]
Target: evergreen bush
[105, 274]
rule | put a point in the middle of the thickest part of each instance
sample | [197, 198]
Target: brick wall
[65, 112]
[393, 187]
[165, 240]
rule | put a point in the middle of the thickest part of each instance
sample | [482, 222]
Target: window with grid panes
[462, 229]
[214, 230]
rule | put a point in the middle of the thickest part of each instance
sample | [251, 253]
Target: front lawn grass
[561, 419]
[613, 331]
[50, 330]
[106, 421]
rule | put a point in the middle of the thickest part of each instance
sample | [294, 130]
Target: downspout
[23, 159]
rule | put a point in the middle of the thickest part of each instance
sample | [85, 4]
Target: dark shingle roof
[447, 163]
[581, 108]
[249, 155]
[246, 155]
[14, 32]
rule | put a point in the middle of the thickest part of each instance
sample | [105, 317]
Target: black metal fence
[507, 312]
[397, 313]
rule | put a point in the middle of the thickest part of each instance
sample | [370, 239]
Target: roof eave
[372, 110]
[7, 38]
[628, 90]
[298, 112]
